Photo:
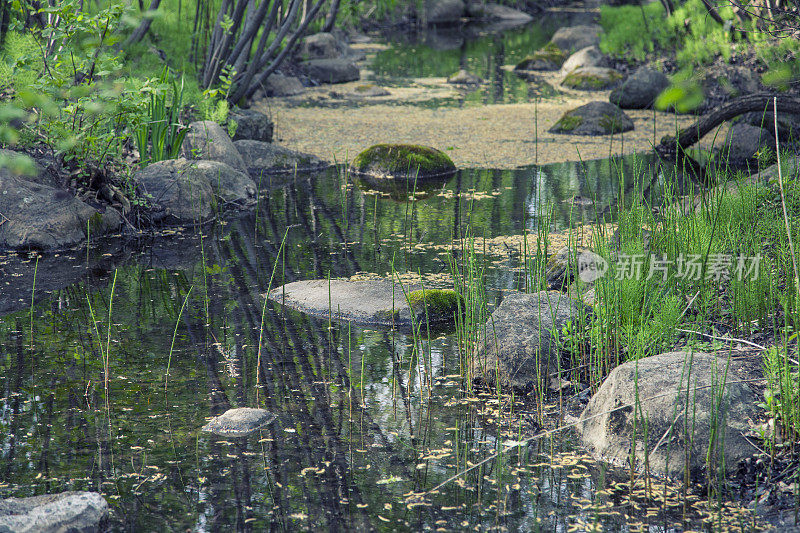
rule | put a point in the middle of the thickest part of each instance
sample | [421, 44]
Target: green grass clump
[403, 160]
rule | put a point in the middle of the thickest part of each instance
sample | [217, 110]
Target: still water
[113, 357]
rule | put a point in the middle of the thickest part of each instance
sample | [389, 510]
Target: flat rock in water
[521, 348]
[239, 422]
[682, 397]
[463, 77]
[380, 302]
[67, 512]
[268, 158]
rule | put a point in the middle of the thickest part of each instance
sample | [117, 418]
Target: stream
[113, 356]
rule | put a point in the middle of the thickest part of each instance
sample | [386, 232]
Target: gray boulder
[268, 158]
[182, 191]
[492, 12]
[570, 263]
[521, 347]
[339, 70]
[594, 118]
[322, 45]
[585, 57]
[251, 125]
[640, 90]
[34, 216]
[280, 85]
[22, 166]
[67, 512]
[574, 38]
[692, 407]
[239, 422]
[207, 140]
[743, 141]
[592, 79]
[444, 11]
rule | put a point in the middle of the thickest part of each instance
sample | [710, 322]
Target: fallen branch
[759, 102]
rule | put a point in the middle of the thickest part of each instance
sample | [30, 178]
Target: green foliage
[634, 31]
[160, 135]
[568, 122]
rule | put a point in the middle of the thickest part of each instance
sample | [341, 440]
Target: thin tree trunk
[144, 26]
[330, 20]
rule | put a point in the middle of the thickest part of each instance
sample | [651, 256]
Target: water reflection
[108, 377]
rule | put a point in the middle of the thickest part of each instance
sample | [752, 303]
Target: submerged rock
[693, 405]
[207, 140]
[73, 511]
[549, 57]
[592, 79]
[594, 118]
[403, 161]
[521, 348]
[378, 302]
[34, 216]
[268, 158]
[640, 90]
[251, 125]
[339, 70]
[239, 422]
[574, 38]
[182, 191]
[463, 77]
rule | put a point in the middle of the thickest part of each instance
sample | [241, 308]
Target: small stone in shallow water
[239, 422]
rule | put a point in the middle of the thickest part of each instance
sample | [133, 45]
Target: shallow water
[114, 357]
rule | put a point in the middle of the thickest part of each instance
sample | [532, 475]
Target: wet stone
[239, 422]
[67, 512]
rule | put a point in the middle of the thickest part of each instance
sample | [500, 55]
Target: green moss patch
[588, 81]
[549, 57]
[611, 124]
[407, 161]
[568, 122]
[437, 305]
[365, 88]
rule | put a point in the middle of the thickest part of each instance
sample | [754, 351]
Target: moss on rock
[592, 79]
[568, 122]
[437, 305]
[406, 161]
[549, 57]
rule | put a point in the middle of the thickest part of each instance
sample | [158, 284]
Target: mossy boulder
[369, 90]
[549, 57]
[592, 79]
[640, 90]
[594, 118]
[435, 306]
[402, 161]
